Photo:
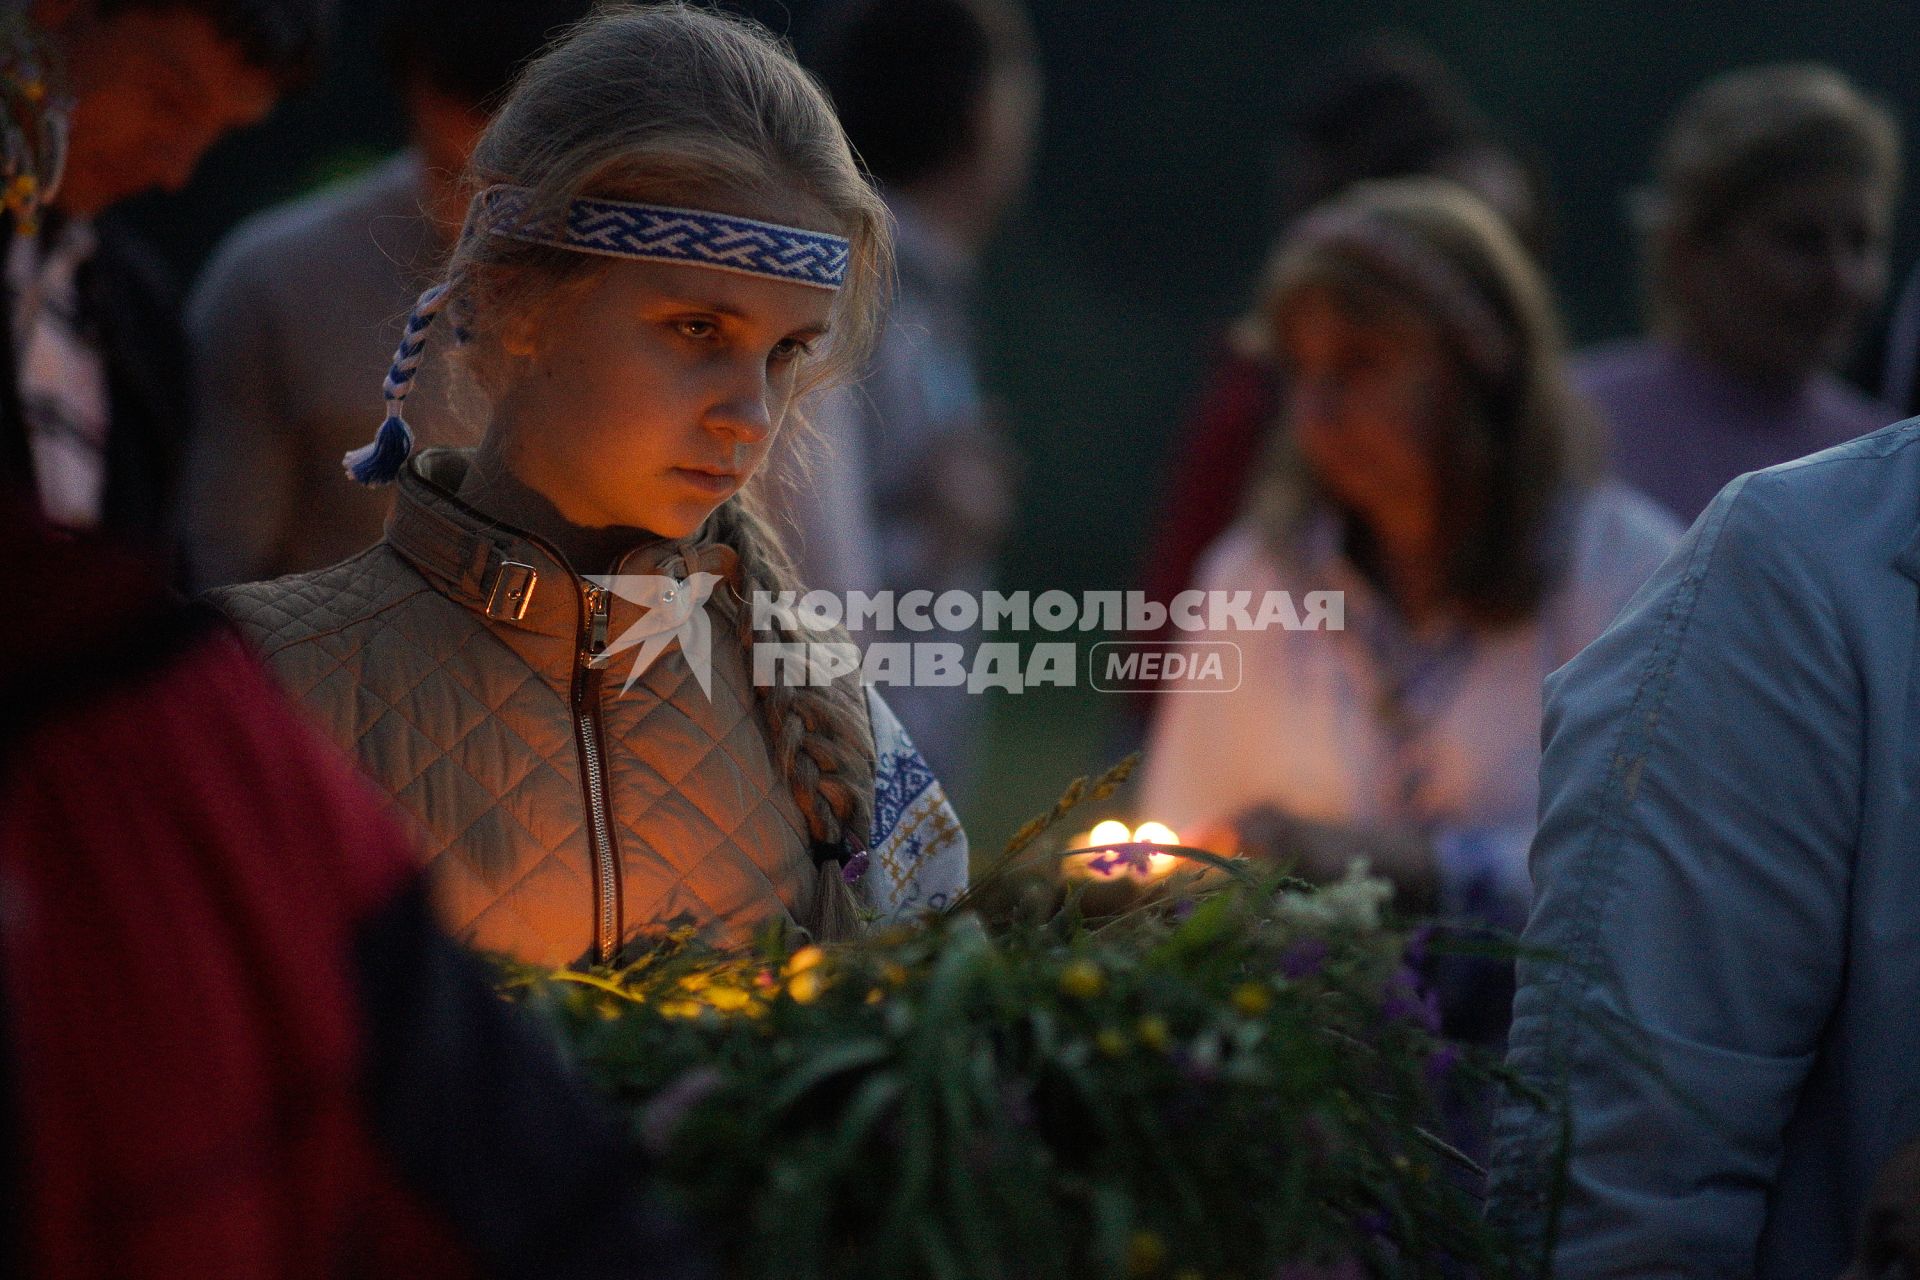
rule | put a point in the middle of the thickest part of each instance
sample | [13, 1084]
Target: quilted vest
[558, 816]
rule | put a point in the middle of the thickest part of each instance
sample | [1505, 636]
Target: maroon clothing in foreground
[233, 1044]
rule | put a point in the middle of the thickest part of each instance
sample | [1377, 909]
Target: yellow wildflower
[804, 959]
[1146, 1254]
[1083, 980]
[1251, 999]
[1153, 1033]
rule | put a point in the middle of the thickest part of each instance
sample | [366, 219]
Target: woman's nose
[743, 408]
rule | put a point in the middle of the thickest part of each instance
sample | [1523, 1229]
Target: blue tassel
[379, 462]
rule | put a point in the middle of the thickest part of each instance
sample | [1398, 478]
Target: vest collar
[507, 575]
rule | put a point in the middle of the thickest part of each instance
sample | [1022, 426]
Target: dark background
[1152, 207]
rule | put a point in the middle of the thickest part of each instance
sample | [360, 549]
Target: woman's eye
[699, 330]
[790, 349]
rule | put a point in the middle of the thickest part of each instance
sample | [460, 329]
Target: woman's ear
[521, 329]
[518, 334]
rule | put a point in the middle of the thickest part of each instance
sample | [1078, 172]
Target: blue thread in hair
[379, 462]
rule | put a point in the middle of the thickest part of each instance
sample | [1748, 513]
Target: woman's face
[648, 394]
[1781, 291]
[1368, 398]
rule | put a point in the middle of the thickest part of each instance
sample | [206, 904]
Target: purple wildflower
[1304, 958]
[1417, 942]
[1404, 1001]
[1440, 1064]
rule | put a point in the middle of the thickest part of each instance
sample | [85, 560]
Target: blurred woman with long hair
[1431, 465]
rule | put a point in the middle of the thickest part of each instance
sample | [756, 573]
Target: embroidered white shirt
[919, 854]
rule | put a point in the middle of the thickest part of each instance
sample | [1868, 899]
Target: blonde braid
[821, 735]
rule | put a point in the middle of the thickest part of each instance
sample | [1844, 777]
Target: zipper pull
[597, 608]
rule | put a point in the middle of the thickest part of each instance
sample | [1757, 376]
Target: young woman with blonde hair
[668, 248]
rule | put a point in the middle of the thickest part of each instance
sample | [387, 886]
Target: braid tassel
[379, 461]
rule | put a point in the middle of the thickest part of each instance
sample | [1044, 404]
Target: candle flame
[1153, 866]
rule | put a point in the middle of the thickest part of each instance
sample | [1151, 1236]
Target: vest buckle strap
[510, 590]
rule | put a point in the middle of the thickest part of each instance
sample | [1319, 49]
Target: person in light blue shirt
[1722, 967]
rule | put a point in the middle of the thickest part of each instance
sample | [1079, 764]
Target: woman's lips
[710, 482]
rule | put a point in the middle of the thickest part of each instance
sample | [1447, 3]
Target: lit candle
[1111, 850]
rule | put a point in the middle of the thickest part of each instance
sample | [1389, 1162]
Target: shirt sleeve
[919, 851]
[1700, 797]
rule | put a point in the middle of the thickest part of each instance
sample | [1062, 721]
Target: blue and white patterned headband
[614, 228]
[661, 233]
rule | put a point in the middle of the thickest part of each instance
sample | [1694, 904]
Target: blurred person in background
[232, 1043]
[1766, 247]
[301, 307]
[113, 98]
[1386, 109]
[912, 487]
[1435, 468]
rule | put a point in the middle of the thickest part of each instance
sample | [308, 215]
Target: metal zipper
[586, 726]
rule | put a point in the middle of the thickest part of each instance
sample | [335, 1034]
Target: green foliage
[1225, 1080]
